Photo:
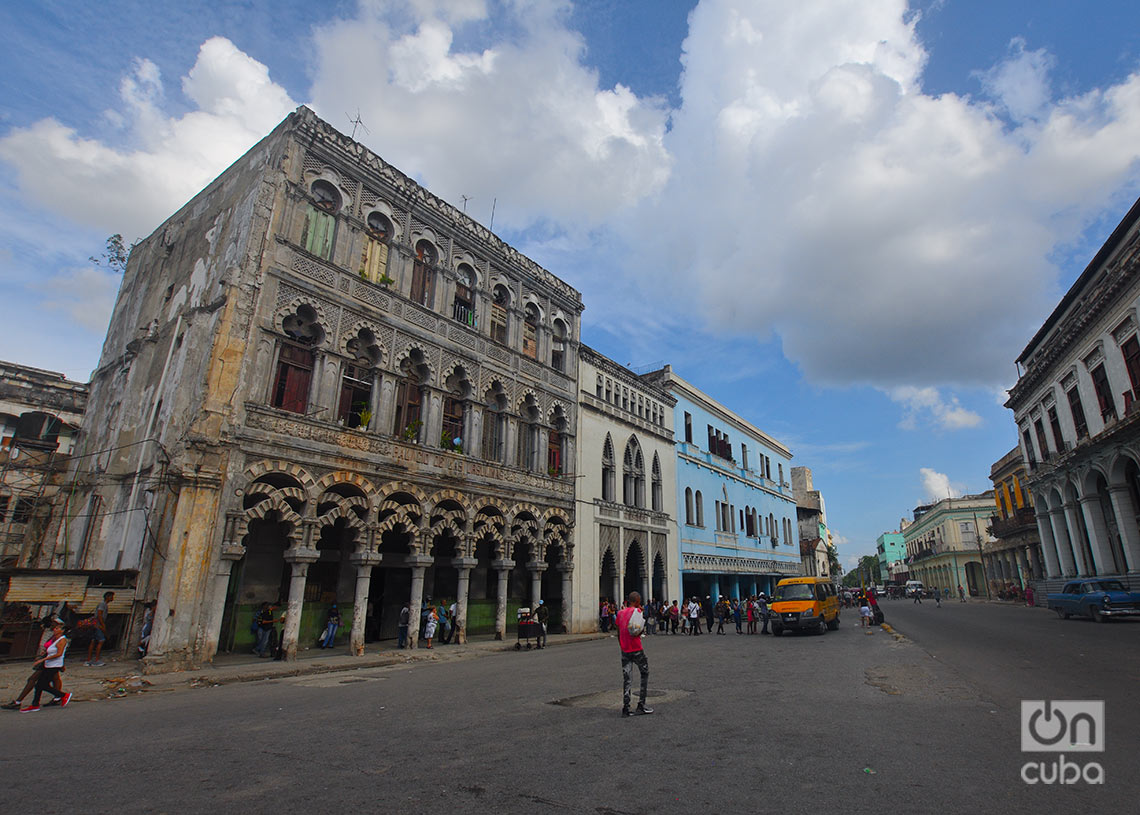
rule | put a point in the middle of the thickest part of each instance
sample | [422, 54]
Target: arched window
[355, 407]
[408, 413]
[689, 505]
[558, 346]
[295, 359]
[657, 499]
[608, 470]
[527, 448]
[463, 306]
[423, 266]
[633, 475]
[319, 231]
[554, 444]
[700, 509]
[499, 305]
[599, 386]
[454, 428]
[530, 331]
[494, 423]
[374, 256]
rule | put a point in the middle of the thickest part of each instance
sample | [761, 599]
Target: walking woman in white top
[52, 660]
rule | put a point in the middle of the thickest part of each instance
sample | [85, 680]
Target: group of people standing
[748, 614]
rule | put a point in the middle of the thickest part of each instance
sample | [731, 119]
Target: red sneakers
[64, 700]
[30, 709]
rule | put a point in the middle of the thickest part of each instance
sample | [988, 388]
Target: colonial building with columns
[1075, 405]
[944, 543]
[626, 534]
[1014, 553]
[323, 384]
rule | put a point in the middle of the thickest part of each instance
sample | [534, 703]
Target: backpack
[636, 623]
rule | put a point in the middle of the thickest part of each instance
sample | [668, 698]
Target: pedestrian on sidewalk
[147, 627]
[631, 625]
[674, 617]
[694, 617]
[765, 614]
[736, 615]
[332, 623]
[719, 613]
[864, 613]
[937, 599]
[16, 702]
[961, 594]
[51, 664]
[99, 632]
[542, 615]
[264, 622]
[917, 596]
[430, 623]
[402, 627]
[708, 609]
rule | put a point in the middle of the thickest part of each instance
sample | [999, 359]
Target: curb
[98, 689]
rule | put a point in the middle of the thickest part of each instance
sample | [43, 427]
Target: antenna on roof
[357, 122]
[465, 198]
[494, 202]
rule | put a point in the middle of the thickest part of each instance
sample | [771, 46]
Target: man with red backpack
[631, 626]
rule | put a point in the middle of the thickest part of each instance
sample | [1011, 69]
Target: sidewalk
[121, 678]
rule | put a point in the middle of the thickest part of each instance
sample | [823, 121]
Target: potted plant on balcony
[412, 431]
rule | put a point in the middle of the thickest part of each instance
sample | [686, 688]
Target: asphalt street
[849, 721]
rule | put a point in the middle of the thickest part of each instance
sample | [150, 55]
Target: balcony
[1022, 521]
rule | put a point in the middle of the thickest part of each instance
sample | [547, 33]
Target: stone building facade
[626, 534]
[40, 415]
[1075, 405]
[944, 543]
[322, 383]
[736, 516]
[811, 524]
[1014, 553]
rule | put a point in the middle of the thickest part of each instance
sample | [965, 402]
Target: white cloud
[130, 190]
[888, 236]
[928, 405]
[936, 485]
[1021, 83]
[520, 118]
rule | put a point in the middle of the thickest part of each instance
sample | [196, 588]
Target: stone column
[503, 566]
[364, 561]
[1072, 537]
[1065, 564]
[299, 558]
[618, 599]
[1048, 545]
[536, 568]
[1126, 522]
[418, 564]
[230, 554]
[567, 570]
[463, 565]
[1098, 534]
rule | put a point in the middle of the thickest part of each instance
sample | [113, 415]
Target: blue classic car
[1099, 599]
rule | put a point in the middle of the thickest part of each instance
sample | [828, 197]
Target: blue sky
[843, 218]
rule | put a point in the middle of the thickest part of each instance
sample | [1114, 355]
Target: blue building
[736, 511]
